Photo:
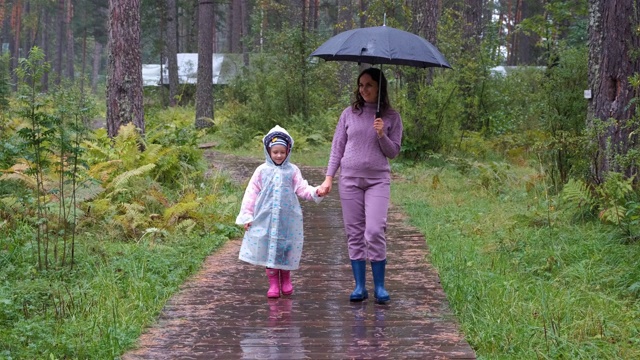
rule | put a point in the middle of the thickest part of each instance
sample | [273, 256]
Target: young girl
[271, 213]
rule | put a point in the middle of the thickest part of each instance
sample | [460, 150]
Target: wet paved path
[223, 311]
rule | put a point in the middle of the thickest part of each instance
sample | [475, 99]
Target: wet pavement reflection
[223, 311]
[281, 336]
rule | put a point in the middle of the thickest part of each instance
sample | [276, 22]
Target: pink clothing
[364, 210]
[356, 148]
[365, 175]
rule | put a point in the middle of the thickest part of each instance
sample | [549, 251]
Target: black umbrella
[381, 45]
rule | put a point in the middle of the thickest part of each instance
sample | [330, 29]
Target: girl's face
[278, 154]
[368, 88]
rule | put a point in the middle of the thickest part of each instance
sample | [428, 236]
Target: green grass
[309, 155]
[99, 309]
[520, 288]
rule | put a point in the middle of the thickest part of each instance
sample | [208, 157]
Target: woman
[362, 144]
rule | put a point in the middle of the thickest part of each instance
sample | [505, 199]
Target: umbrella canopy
[381, 45]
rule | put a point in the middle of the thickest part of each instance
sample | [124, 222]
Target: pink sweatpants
[364, 210]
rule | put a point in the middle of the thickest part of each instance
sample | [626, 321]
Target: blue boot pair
[378, 270]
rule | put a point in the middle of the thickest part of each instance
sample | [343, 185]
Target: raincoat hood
[277, 132]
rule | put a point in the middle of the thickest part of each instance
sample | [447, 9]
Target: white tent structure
[150, 74]
[505, 70]
[224, 66]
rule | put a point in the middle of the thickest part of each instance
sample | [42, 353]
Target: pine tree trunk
[236, 26]
[84, 60]
[314, 14]
[97, 60]
[527, 51]
[613, 43]
[60, 42]
[124, 83]
[172, 50]
[363, 13]
[44, 38]
[69, 37]
[204, 87]
[229, 27]
[344, 23]
[426, 15]
[244, 11]
[472, 24]
[16, 18]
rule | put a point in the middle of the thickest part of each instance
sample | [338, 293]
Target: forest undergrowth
[85, 283]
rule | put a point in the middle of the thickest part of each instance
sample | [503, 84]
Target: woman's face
[278, 154]
[368, 88]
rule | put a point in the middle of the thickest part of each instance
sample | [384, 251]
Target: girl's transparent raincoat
[270, 204]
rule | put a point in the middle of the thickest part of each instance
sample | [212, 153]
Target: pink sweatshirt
[356, 148]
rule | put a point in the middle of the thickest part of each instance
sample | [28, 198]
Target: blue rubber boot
[380, 293]
[360, 293]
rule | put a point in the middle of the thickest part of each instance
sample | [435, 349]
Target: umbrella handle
[379, 92]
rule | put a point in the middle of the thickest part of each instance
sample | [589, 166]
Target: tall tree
[172, 50]
[61, 45]
[45, 42]
[344, 22]
[314, 13]
[613, 58]
[204, 86]
[16, 22]
[70, 54]
[345, 16]
[92, 21]
[363, 13]
[3, 12]
[472, 15]
[97, 60]
[235, 28]
[425, 18]
[424, 23]
[244, 19]
[124, 83]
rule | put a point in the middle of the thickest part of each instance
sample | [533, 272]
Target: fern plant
[615, 202]
[579, 197]
[147, 193]
[614, 194]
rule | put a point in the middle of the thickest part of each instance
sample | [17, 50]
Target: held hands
[378, 126]
[247, 226]
[325, 187]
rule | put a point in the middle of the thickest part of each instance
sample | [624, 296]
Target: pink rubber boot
[274, 283]
[285, 282]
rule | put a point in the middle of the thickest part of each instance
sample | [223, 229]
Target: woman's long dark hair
[378, 76]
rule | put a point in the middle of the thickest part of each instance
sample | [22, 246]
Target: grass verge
[135, 243]
[99, 309]
[524, 280]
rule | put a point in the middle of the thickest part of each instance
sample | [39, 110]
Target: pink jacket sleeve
[249, 199]
[303, 189]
